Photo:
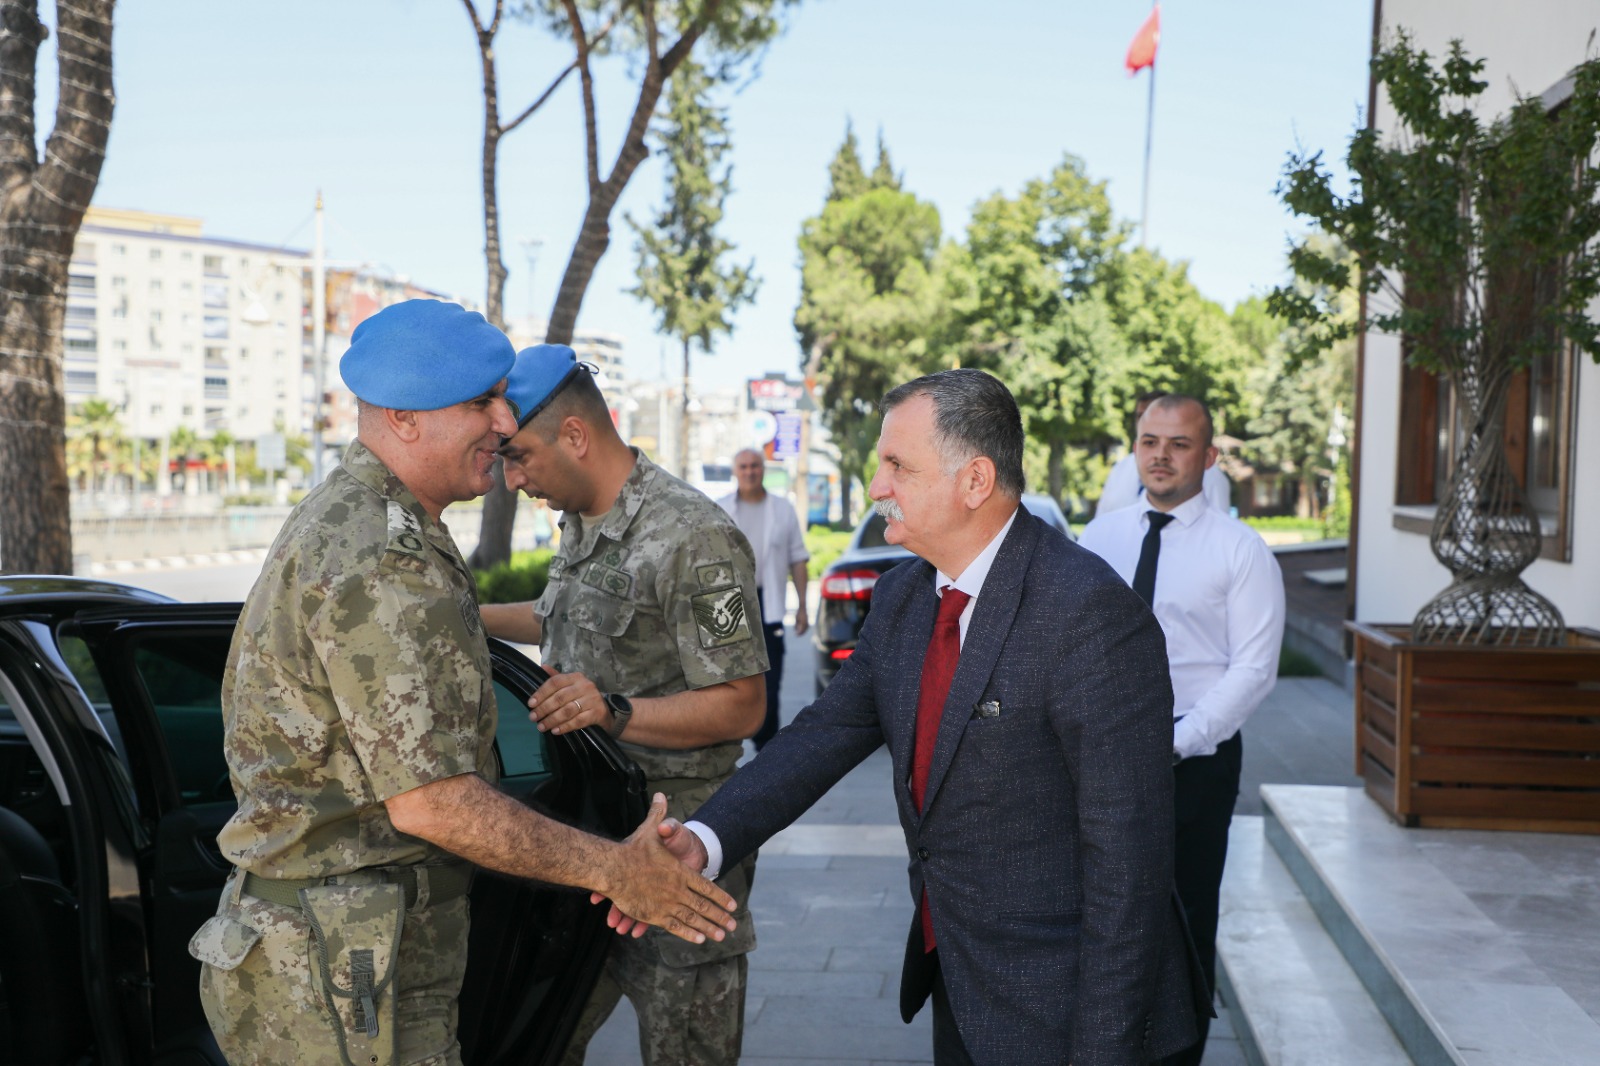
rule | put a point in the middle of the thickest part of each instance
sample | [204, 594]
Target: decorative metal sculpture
[1486, 533]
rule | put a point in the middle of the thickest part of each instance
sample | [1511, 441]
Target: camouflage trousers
[689, 999]
[265, 1001]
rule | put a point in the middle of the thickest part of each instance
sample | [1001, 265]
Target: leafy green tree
[1177, 339]
[1029, 304]
[654, 38]
[680, 254]
[870, 297]
[1296, 401]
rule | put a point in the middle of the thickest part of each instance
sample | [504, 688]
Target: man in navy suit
[1038, 813]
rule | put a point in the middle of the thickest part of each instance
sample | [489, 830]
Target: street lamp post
[319, 338]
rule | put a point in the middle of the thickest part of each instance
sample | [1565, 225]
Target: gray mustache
[889, 509]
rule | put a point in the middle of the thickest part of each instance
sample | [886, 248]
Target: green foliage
[680, 254]
[825, 545]
[523, 578]
[734, 31]
[1283, 523]
[870, 296]
[1336, 520]
[1295, 663]
[1463, 225]
[1298, 401]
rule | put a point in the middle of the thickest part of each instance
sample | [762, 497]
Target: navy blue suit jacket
[1045, 842]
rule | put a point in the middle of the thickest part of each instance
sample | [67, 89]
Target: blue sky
[239, 113]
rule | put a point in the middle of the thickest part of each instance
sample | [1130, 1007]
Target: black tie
[1144, 576]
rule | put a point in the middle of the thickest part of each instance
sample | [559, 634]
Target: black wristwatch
[621, 708]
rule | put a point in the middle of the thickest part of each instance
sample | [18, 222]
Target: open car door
[536, 951]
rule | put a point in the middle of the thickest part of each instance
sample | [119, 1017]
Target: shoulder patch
[405, 534]
[720, 617]
[714, 575]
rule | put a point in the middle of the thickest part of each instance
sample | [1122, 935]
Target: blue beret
[421, 355]
[541, 372]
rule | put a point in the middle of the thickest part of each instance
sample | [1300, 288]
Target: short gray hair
[973, 414]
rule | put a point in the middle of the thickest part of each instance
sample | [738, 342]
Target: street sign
[761, 425]
[775, 393]
[786, 441]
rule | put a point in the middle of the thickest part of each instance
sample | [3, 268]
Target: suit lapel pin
[988, 709]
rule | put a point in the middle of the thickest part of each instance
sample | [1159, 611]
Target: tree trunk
[1055, 460]
[41, 208]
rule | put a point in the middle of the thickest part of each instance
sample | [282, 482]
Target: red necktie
[938, 670]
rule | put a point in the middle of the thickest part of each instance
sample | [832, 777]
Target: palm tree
[95, 422]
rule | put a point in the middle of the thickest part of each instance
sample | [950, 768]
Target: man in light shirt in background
[1218, 594]
[768, 521]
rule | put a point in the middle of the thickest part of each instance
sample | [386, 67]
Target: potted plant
[1475, 240]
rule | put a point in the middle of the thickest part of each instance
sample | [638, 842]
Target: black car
[845, 592]
[113, 787]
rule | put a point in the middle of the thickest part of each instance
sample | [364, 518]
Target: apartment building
[176, 328]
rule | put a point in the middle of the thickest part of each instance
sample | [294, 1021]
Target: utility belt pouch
[355, 949]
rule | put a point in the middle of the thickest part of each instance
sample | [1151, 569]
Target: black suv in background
[845, 592]
[113, 787]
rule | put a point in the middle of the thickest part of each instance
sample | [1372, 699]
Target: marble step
[1457, 987]
[1293, 999]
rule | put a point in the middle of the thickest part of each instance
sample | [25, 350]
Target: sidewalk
[832, 908]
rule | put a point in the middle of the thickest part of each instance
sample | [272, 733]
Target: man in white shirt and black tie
[1218, 594]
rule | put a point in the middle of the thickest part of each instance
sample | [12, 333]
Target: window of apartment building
[155, 316]
[81, 346]
[83, 251]
[119, 345]
[155, 286]
[82, 381]
[187, 256]
[155, 255]
[211, 264]
[186, 288]
[215, 327]
[118, 248]
[80, 285]
[216, 356]
[214, 294]
[119, 309]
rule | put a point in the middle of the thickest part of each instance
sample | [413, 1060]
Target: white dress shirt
[971, 582]
[1124, 489]
[778, 543]
[1219, 599]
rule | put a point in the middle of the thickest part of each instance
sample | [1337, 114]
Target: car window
[182, 673]
[872, 532]
[522, 746]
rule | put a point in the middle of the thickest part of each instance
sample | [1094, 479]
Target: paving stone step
[1293, 999]
[1457, 987]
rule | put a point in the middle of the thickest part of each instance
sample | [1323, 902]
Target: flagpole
[1149, 127]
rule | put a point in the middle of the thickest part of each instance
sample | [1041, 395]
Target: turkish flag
[1142, 52]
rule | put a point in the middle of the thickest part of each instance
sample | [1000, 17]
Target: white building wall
[1529, 46]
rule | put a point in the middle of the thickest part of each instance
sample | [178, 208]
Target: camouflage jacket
[655, 597]
[358, 671]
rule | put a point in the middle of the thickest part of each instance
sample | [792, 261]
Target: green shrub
[1285, 523]
[1295, 663]
[523, 578]
[825, 545]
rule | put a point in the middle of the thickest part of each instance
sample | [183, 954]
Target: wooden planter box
[1479, 737]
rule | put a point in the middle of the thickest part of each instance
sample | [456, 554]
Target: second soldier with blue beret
[359, 715]
[651, 611]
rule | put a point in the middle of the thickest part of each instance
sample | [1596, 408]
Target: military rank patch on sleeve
[720, 617]
[405, 534]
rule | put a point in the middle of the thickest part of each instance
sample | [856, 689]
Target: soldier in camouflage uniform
[651, 597]
[360, 721]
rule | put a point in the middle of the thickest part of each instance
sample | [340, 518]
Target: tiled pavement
[832, 909]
